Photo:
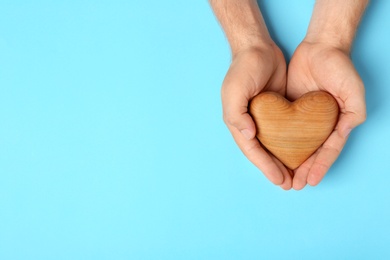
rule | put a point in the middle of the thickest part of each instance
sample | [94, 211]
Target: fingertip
[315, 176]
[244, 123]
[273, 174]
[300, 179]
[318, 170]
[312, 183]
[277, 178]
[298, 186]
[286, 188]
[300, 176]
[286, 185]
[284, 179]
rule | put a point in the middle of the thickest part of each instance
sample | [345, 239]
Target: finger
[327, 155]
[278, 81]
[353, 106]
[287, 174]
[300, 175]
[235, 112]
[296, 90]
[258, 156]
[331, 149]
[350, 120]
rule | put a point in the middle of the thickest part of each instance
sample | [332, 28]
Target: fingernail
[347, 132]
[247, 134]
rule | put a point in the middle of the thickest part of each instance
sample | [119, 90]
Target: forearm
[242, 23]
[335, 22]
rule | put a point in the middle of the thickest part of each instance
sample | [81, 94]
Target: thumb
[353, 110]
[349, 121]
[235, 113]
[244, 123]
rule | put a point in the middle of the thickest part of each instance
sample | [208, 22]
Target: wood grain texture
[292, 131]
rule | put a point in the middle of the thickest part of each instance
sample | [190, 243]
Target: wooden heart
[292, 131]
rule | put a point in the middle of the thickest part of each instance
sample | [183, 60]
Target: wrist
[250, 33]
[335, 23]
[330, 39]
[267, 51]
[242, 23]
[252, 45]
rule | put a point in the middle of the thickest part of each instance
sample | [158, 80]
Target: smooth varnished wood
[292, 131]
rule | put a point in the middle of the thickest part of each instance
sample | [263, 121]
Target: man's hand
[251, 72]
[322, 62]
[257, 65]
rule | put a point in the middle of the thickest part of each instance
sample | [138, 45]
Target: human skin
[257, 65]
[322, 62]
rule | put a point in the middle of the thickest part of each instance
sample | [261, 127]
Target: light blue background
[112, 144]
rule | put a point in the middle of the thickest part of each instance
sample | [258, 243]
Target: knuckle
[225, 120]
[322, 167]
[230, 120]
[331, 148]
[248, 149]
[363, 118]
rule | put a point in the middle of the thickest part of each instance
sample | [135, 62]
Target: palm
[319, 67]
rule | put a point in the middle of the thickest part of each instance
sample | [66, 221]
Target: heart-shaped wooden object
[292, 131]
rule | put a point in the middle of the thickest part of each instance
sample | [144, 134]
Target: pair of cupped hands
[314, 66]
